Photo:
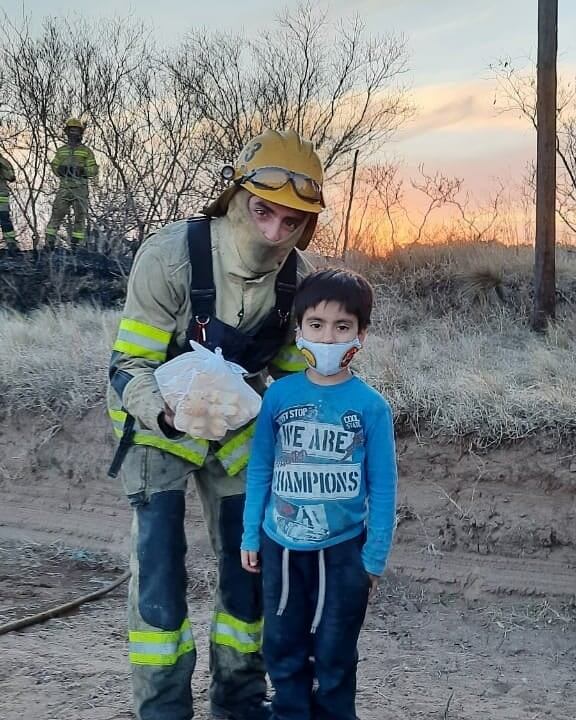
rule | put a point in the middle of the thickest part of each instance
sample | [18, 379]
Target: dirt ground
[476, 617]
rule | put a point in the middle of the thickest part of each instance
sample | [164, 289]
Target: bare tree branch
[516, 92]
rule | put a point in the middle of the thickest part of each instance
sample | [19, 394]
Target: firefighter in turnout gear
[6, 176]
[74, 164]
[226, 280]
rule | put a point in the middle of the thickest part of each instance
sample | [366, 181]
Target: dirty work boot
[257, 710]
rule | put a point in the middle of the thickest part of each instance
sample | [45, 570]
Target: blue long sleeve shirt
[322, 469]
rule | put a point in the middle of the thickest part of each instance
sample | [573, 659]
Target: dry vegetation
[163, 118]
[54, 361]
[450, 347]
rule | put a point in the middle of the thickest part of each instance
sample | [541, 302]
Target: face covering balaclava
[328, 358]
[74, 138]
[256, 252]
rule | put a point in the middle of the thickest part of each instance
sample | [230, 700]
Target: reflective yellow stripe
[141, 340]
[289, 359]
[118, 418]
[243, 637]
[242, 647]
[4, 198]
[193, 450]
[173, 447]
[117, 414]
[147, 331]
[227, 449]
[137, 350]
[160, 647]
[137, 658]
[160, 636]
[234, 454]
[78, 235]
[230, 620]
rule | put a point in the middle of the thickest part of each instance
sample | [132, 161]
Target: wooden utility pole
[544, 259]
[349, 208]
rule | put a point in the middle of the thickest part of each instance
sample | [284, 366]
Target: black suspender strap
[286, 286]
[202, 290]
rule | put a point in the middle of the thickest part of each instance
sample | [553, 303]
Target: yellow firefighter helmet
[74, 122]
[281, 167]
[278, 166]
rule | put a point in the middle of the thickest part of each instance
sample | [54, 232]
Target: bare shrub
[162, 121]
[338, 86]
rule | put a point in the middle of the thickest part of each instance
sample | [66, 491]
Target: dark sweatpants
[289, 645]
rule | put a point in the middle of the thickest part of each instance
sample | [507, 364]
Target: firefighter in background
[227, 280]
[6, 176]
[74, 164]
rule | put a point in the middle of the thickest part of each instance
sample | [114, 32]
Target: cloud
[440, 112]
[460, 107]
[468, 107]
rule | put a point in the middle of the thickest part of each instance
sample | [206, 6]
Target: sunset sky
[452, 43]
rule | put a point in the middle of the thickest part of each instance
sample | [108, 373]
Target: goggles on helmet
[275, 178]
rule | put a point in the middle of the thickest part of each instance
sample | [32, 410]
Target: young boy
[322, 487]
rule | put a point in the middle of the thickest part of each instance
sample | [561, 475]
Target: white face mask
[328, 358]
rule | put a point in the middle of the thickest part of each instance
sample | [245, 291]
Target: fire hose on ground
[64, 608]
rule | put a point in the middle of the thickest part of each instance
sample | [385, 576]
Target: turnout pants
[161, 644]
[8, 234]
[75, 197]
[314, 675]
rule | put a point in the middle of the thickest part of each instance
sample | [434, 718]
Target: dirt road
[476, 618]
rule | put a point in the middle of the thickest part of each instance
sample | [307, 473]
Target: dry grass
[451, 347]
[54, 361]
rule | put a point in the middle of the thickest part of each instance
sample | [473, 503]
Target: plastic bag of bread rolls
[207, 393]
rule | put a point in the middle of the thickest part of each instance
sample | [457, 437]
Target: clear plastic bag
[207, 393]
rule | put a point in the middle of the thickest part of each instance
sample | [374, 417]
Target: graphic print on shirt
[300, 522]
[314, 463]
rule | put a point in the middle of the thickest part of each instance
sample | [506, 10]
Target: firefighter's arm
[289, 359]
[56, 163]
[146, 327]
[7, 170]
[91, 166]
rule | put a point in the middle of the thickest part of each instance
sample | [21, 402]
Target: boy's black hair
[349, 289]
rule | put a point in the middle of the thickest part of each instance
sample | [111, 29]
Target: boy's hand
[373, 585]
[250, 561]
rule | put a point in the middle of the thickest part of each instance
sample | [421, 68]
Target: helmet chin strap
[257, 254]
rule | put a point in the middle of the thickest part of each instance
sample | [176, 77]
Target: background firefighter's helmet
[74, 122]
[275, 149]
